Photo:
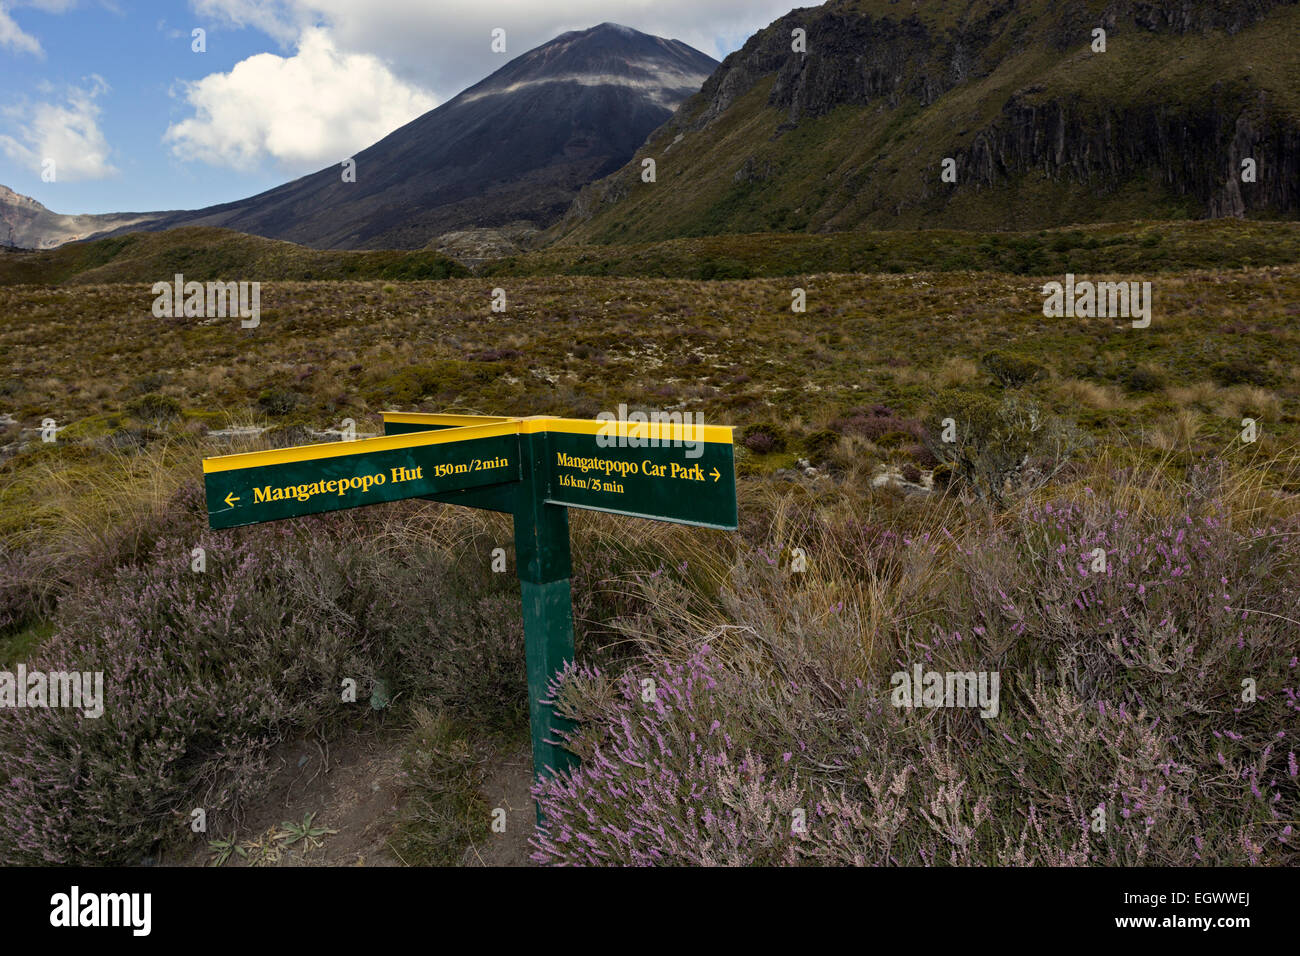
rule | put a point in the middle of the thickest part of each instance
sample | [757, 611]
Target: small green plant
[306, 833]
[999, 448]
[222, 850]
[446, 811]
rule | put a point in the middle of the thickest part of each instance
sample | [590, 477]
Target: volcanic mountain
[513, 149]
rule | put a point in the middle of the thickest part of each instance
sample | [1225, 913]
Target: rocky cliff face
[1192, 153]
[1010, 89]
[26, 224]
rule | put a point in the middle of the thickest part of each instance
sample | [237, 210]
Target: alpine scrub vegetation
[1148, 709]
[1099, 534]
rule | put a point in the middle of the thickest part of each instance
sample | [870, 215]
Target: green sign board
[286, 483]
[669, 472]
[531, 468]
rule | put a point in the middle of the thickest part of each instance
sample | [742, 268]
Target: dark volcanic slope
[516, 146]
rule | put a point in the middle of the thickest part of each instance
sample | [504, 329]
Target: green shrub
[1011, 371]
[149, 383]
[445, 379]
[1239, 371]
[1142, 379]
[288, 434]
[154, 409]
[723, 269]
[278, 400]
[1000, 448]
[820, 444]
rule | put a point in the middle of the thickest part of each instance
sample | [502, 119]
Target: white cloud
[354, 71]
[318, 106]
[48, 6]
[67, 132]
[269, 16]
[444, 45]
[13, 37]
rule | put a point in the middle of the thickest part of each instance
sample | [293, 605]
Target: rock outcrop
[1158, 125]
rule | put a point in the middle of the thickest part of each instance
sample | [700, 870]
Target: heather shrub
[23, 592]
[1123, 736]
[202, 673]
[763, 438]
[878, 423]
[205, 672]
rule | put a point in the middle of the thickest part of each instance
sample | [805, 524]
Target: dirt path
[507, 788]
[355, 787]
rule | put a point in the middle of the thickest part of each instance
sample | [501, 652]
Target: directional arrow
[716, 475]
[231, 499]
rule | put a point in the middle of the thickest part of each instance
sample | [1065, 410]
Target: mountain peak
[510, 152]
[606, 27]
[664, 71]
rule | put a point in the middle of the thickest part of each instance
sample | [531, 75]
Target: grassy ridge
[204, 254]
[1137, 247]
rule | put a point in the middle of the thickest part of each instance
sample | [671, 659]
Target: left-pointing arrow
[231, 499]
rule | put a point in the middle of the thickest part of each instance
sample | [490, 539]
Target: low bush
[153, 409]
[205, 672]
[277, 400]
[1240, 371]
[1011, 371]
[762, 438]
[998, 449]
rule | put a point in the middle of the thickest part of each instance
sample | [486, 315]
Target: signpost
[531, 468]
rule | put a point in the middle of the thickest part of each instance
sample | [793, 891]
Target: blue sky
[136, 120]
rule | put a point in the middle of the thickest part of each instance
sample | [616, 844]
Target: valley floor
[868, 544]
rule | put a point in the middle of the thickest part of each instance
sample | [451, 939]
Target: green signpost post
[531, 468]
